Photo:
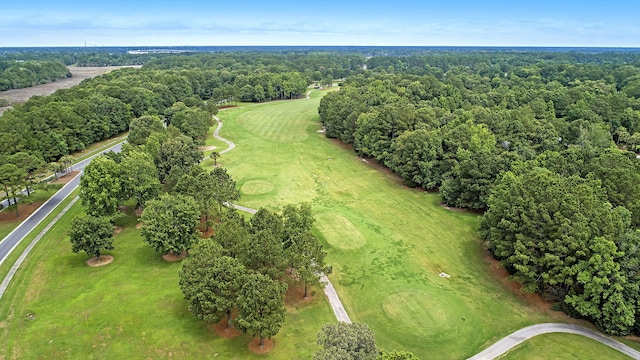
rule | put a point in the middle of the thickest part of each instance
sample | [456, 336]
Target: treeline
[541, 148]
[257, 88]
[431, 62]
[22, 74]
[80, 56]
[315, 66]
[99, 108]
[566, 225]
[433, 131]
[114, 59]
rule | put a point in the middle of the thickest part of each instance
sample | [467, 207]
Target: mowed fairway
[387, 243]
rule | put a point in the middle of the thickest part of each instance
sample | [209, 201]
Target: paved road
[7, 280]
[329, 290]
[514, 339]
[15, 237]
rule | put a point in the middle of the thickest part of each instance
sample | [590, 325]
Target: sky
[326, 22]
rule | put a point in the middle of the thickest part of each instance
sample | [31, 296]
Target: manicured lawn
[132, 308]
[564, 346]
[387, 245]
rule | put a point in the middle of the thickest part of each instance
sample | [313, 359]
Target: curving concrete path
[329, 290]
[217, 136]
[501, 346]
[510, 341]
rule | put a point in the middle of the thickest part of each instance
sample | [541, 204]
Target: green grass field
[386, 243]
[564, 346]
[132, 308]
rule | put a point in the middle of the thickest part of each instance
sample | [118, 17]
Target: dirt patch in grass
[172, 257]
[36, 284]
[9, 215]
[254, 346]
[65, 178]
[138, 212]
[223, 330]
[456, 209]
[340, 144]
[117, 230]
[295, 295]
[204, 234]
[138, 226]
[499, 272]
[104, 260]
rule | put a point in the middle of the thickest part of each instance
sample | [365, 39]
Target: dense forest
[541, 142]
[22, 74]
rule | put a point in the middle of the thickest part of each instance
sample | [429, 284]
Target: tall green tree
[211, 281]
[476, 168]
[416, 155]
[139, 177]
[201, 186]
[268, 221]
[193, 122]
[232, 233]
[302, 249]
[602, 294]
[542, 224]
[141, 128]
[175, 157]
[91, 234]
[346, 341]
[306, 256]
[170, 223]
[214, 155]
[264, 254]
[12, 180]
[619, 173]
[225, 186]
[100, 187]
[30, 164]
[67, 161]
[261, 306]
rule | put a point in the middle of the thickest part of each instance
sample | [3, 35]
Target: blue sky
[327, 22]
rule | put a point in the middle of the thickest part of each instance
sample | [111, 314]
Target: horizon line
[320, 46]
